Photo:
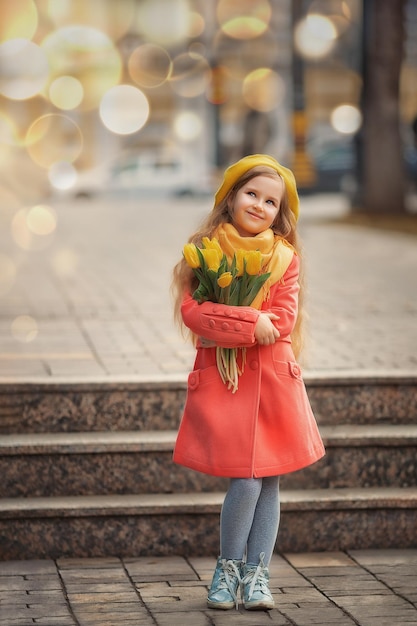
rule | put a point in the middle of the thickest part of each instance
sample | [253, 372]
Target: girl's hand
[265, 331]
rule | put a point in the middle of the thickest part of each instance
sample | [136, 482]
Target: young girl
[266, 428]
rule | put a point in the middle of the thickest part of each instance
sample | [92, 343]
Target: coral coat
[267, 427]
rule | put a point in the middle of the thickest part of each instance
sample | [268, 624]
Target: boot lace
[229, 572]
[257, 579]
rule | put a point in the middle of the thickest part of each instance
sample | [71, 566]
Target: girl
[266, 428]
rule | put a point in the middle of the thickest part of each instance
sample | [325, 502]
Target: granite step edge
[95, 442]
[203, 503]
[315, 377]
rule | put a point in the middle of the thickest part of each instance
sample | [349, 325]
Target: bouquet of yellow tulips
[236, 283]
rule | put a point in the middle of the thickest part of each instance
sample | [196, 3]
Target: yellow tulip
[212, 244]
[191, 256]
[212, 258]
[225, 279]
[253, 262]
[240, 255]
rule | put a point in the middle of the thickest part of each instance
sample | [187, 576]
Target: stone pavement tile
[28, 568]
[73, 367]
[15, 367]
[100, 592]
[109, 587]
[31, 592]
[247, 618]
[323, 559]
[162, 598]
[29, 583]
[44, 621]
[354, 589]
[30, 613]
[380, 610]
[204, 567]
[23, 597]
[182, 618]
[151, 569]
[88, 563]
[397, 569]
[305, 614]
[114, 620]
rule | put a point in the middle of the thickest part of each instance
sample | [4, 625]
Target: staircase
[86, 471]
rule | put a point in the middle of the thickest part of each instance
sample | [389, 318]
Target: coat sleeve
[234, 326]
[284, 299]
[228, 326]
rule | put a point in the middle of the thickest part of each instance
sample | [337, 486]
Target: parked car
[139, 172]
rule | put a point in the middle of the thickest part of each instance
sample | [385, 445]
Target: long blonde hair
[285, 225]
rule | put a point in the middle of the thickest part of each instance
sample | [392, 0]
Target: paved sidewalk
[366, 588]
[95, 296]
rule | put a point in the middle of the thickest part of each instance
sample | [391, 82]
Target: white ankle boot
[256, 594]
[225, 585]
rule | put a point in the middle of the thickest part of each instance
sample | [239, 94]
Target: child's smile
[256, 205]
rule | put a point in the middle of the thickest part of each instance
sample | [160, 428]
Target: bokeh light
[27, 221]
[346, 119]
[66, 92]
[190, 75]
[19, 19]
[315, 36]
[149, 65]
[88, 55]
[24, 69]
[245, 19]
[124, 109]
[263, 89]
[8, 131]
[24, 328]
[196, 24]
[53, 138]
[41, 220]
[188, 126]
[164, 22]
[62, 175]
[338, 11]
[7, 273]
[113, 17]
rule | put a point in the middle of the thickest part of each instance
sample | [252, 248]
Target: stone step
[156, 404]
[188, 524]
[98, 463]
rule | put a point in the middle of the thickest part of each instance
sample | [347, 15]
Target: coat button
[193, 381]
[215, 308]
[212, 323]
[242, 315]
[238, 326]
[254, 365]
[225, 326]
[227, 312]
[295, 369]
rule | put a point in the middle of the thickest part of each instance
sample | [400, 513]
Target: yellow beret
[235, 171]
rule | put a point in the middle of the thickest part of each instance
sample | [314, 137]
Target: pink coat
[267, 427]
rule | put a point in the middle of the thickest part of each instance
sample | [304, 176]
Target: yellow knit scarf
[276, 251]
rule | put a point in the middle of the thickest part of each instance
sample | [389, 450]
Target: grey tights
[249, 519]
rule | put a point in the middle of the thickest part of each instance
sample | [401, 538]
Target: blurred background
[160, 95]
[106, 105]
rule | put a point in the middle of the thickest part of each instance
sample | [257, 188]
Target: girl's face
[256, 205]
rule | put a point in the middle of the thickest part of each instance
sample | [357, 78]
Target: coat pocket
[288, 368]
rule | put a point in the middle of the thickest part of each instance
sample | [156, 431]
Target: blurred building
[160, 94]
